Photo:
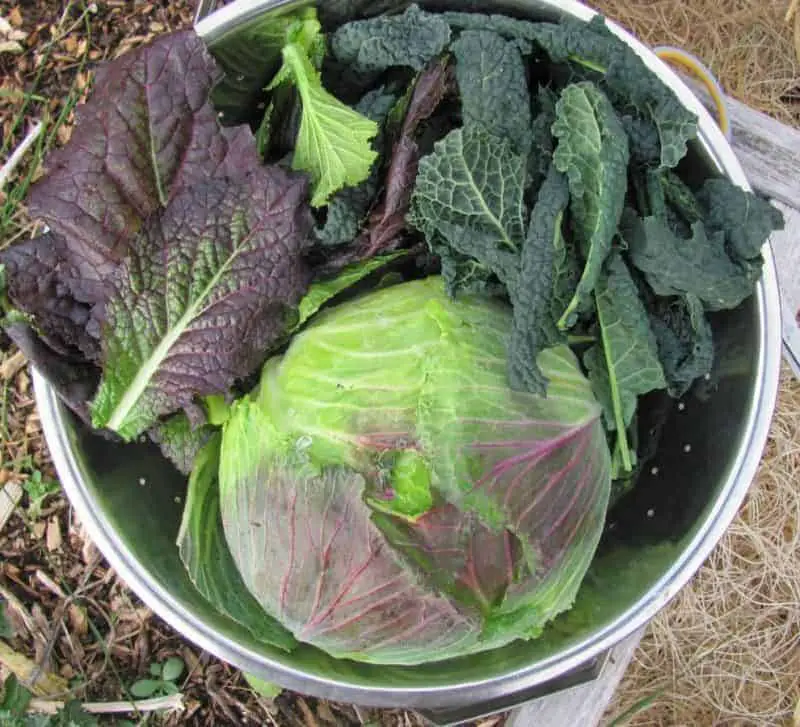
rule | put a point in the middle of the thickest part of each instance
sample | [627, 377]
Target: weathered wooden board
[768, 150]
[786, 249]
[584, 705]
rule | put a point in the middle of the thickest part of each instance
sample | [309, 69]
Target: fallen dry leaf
[53, 539]
[12, 366]
[15, 17]
[78, 623]
[27, 671]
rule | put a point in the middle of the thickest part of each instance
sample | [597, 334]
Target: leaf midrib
[148, 369]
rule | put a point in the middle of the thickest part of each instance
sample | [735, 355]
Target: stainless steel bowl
[645, 561]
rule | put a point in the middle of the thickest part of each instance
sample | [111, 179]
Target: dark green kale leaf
[744, 219]
[543, 143]
[542, 280]
[349, 207]
[503, 25]
[629, 81]
[643, 139]
[699, 266]
[593, 152]
[494, 91]
[625, 364]
[470, 192]
[685, 343]
[411, 39]
[680, 197]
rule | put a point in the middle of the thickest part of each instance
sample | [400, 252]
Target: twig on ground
[19, 153]
[12, 366]
[171, 703]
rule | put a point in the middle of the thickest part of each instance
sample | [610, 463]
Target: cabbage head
[388, 498]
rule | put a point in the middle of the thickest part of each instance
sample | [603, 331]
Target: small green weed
[38, 489]
[163, 679]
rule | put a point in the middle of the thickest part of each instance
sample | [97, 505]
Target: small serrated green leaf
[333, 144]
[15, 696]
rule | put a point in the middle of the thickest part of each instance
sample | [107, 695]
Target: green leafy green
[267, 690]
[593, 152]
[625, 365]
[627, 78]
[180, 441]
[543, 142]
[745, 220]
[699, 266]
[410, 39]
[348, 208]
[491, 77]
[540, 278]
[470, 191]
[333, 143]
[321, 292]
[15, 697]
[249, 58]
[685, 342]
[681, 198]
[204, 552]
[643, 139]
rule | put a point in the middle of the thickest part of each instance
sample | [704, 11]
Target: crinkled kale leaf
[625, 364]
[470, 191]
[593, 152]
[540, 277]
[490, 72]
[685, 342]
[411, 39]
[699, 265]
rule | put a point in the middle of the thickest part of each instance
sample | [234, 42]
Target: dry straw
[726, 652]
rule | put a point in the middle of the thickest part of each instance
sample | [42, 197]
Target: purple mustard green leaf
[208, 287]
[40, 280]
[146, 132]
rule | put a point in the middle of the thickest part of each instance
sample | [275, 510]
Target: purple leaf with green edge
[314, 560]
[146, 132]
[74, 381]
[208, 287]
[41, 282]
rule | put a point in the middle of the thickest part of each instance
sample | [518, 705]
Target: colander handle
[451, 717]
